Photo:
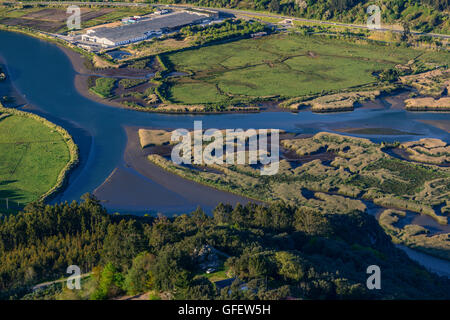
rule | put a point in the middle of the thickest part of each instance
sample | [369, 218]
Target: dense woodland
[226, 30]
[422, 15]
[276, 251]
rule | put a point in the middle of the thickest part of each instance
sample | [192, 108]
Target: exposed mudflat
[402, 154]
[439, 266]
[424, 221]
[138, 185]
[441, 124]
[375, 131]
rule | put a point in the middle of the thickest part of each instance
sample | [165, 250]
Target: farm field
[32, 157]
[53, 19]
[285, 65]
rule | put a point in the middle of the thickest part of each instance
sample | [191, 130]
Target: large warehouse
[144, 29]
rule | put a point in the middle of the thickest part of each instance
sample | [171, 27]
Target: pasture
[284, 65]
[32, 156]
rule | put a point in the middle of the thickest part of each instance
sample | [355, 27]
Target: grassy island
[36, 157]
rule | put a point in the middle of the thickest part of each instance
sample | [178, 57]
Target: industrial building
[144, 28]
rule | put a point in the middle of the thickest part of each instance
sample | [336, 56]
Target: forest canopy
[276, 251]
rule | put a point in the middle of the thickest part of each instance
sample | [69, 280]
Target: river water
[43, 73]
[45, 76]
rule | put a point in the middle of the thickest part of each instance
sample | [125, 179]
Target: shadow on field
[10, 200]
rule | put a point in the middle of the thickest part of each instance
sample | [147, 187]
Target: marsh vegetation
[360, 170]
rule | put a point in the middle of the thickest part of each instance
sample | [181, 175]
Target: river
[45, 76]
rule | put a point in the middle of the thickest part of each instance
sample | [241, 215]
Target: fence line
[9, 203]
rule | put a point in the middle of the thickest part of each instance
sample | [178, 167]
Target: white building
[143, 29]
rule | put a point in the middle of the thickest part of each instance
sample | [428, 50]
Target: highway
[233, 12]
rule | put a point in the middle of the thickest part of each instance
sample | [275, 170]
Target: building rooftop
[155, 24]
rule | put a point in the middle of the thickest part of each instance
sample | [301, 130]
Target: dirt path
[46, 284]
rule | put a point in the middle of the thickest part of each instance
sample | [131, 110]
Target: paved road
[239, 12]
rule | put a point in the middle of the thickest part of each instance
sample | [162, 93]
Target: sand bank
[146, 188]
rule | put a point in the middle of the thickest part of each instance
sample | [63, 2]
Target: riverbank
[441, 124]
[105, 125]
[80, 63]
[427, 220]
[76, 58]
[9, 95]
[433, 264]
[140, 185]
[319, 177]
[84, 70]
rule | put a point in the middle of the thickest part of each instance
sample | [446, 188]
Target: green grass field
[192, 93]
[285, 65]
[31, 157]
[104, 87]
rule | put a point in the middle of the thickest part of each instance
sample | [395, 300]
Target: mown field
[31, 157]
[282, 65]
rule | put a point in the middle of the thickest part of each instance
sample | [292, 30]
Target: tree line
[221, 31]
[268, 251]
